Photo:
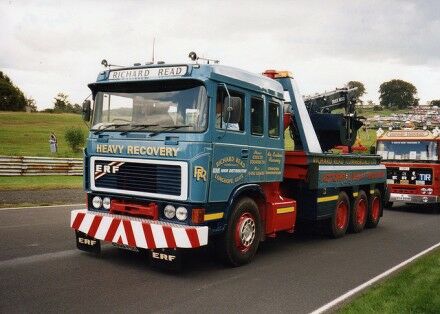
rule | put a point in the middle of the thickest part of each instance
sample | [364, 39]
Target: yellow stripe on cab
[213, 216]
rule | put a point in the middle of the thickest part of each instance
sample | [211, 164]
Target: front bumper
[137, 232]
[414, 198]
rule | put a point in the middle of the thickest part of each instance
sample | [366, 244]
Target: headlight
[429, 190]
[423, 190]
[97, 202]
[106, 203]
[181, 213]
[169, 211]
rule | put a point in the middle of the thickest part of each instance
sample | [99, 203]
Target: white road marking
[370, 282]
[47, 206]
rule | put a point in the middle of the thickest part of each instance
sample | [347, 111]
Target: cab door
[230, 146]
[257, 139]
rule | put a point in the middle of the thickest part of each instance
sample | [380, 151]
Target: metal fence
[40, 166]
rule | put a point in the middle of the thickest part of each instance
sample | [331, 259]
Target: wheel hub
[361, 214]
[245, 232]
[375, 208]
[341, 215]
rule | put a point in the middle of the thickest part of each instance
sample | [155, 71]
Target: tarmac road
[41, 270]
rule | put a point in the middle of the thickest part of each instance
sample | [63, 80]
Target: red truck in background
[413, 168]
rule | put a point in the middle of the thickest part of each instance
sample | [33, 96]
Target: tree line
[13, 99]
[393, 94]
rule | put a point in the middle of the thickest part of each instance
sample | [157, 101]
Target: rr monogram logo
[199, 173]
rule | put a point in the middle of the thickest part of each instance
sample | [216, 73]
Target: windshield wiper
[115, 125]
[170, 127]
[138, 125]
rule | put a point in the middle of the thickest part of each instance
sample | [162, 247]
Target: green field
[367, 138]
[40, 182]
[367, 113]
[414, 290]
[27, 134]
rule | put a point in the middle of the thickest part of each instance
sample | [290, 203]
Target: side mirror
[86, 110]
[232, 109]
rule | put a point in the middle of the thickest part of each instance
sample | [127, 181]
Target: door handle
[244, 153]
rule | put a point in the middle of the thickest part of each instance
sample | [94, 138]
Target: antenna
[154, 41]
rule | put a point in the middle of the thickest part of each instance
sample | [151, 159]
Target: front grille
[143, 178]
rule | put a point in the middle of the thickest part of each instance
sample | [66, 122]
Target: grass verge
[27, 134]
[40, 182]
[413, 290]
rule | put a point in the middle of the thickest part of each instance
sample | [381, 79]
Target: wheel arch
[253, 191]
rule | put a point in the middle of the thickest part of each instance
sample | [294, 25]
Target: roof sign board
[147, 73]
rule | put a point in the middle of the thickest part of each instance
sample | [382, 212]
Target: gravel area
[41, 197]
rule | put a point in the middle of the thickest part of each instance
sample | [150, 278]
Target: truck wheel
[240, 241]
[340, 218]
[359, 213]
[375, 209]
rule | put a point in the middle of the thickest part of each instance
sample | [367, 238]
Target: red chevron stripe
[193, 237]
[78, 220]
[129, 233]
[95, 225]
[169, 236]
[112, 230]
[149, 236]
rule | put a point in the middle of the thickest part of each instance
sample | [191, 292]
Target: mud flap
[86, 243]
[167, 258]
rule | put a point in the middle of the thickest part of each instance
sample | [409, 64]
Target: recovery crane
[334, 129]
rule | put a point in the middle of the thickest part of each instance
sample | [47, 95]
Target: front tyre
[240, 241]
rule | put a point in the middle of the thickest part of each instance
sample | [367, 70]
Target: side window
[274, 119]
[221, 121]
[257, 116]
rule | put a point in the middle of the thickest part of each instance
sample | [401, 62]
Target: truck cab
[412, 161]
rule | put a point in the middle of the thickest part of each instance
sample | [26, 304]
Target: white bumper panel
[137, 232]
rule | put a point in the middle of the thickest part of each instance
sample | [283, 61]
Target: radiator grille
[140, 177]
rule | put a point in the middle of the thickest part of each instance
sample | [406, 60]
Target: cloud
[57, 46]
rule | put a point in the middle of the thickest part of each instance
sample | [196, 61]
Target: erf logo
[162, 256]
[199, 173]
[87, 241]
[425, 177]
[101, 170]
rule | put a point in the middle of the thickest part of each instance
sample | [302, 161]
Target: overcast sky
[57, 46]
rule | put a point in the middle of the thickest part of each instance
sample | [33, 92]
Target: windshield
[408, 150]
[180, 110]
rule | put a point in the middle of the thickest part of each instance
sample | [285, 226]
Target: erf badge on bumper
[86, 243]
[166, 258]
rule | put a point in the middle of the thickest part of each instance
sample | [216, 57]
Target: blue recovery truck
[185, 155]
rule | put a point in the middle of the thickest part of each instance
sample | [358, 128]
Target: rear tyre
[374, 209]
[239, 243]
[359, 213]
[339, 221]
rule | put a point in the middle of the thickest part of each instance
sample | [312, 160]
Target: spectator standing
[53, 143]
